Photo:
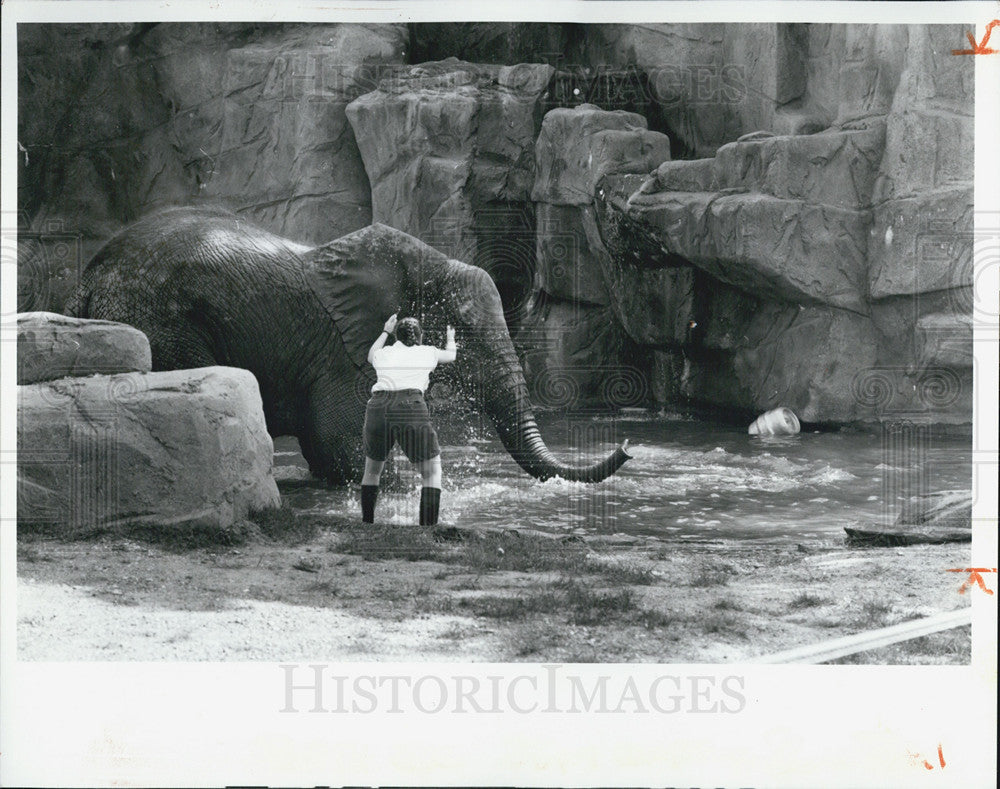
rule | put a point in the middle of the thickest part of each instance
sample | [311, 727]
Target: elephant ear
[363, 278]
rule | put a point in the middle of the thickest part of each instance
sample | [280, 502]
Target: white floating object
[776, 422]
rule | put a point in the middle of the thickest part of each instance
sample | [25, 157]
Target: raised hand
[390, 324]
[451, 335]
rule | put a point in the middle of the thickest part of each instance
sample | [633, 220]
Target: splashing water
[687, 479]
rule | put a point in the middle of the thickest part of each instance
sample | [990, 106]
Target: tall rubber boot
[430, 503]
[368, 495]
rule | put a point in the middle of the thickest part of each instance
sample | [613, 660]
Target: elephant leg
[331, 436]
[310, 452]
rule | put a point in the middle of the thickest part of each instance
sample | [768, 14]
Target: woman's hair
[408, 331]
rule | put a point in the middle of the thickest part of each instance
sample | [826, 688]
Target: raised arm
[450, 351]
[389, 326]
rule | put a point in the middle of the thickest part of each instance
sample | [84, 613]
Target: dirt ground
[325, 588]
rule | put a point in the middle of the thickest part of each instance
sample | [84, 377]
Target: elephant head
[363, 277]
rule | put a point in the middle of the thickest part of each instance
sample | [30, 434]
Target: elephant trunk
[524, 443]
[505, 399]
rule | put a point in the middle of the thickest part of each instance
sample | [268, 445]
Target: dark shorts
[400, 416]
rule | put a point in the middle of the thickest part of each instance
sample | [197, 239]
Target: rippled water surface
[688, 479]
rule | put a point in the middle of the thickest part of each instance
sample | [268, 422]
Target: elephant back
[197, 237]
[206, 287]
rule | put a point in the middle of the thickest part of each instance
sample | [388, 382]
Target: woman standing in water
[397, 412]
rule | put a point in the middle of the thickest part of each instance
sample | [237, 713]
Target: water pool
[689, 479]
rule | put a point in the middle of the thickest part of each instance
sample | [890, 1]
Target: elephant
[209, 288]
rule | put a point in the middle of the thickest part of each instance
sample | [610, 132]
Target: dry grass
[628, 573]
[473, 583]
[456, 632]
[532, 638]
[724, 624]
[521, 595]
[481, 553]
[29, 553]
[513, 608]
[377, 542]
[806, 600]
[874, 613]
[653, 619]
[578, 602]
[286, 525]
[328, 588]
[572, 597]
[709, 576]
[588, 607]
[518, 553]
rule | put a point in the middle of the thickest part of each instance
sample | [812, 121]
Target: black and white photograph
[371, 338]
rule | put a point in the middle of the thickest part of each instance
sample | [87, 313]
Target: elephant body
[208, 288]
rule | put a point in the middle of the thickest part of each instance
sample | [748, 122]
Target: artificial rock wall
[802, 238]
[118, 120]
[850, 248]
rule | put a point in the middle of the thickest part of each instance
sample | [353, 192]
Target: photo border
[220, 723]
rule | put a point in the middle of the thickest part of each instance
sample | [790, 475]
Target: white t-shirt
[402, 366]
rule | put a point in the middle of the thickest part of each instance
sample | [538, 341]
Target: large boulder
[730, 315]
[771, 247]
[756, 337]
[576, 343]
[810, 364]
[652, 300]
[683, 64]
[578, 146]
[710, 84]
[828, 365]
[285, 155]
[569, 266]
[666, 374]
[931, 122]
[922, 244]
[833, 168]
[683, 175]
[428, 129]
[856, 228]
[51, 346]
[108, 154]
[854, 70]
[921, 238]
[781, 217]
[655, 306]
[449, 151]
[806, 358]
[179, 450]
[944, 339]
